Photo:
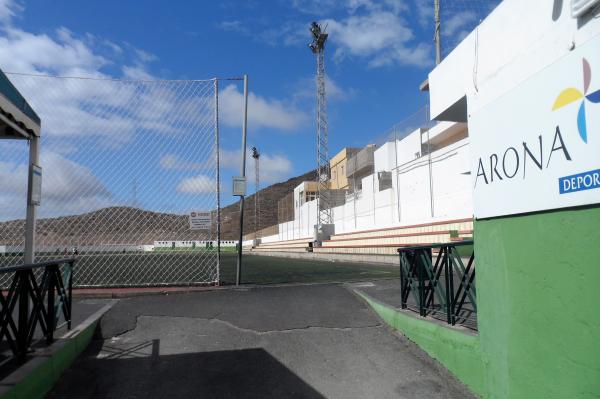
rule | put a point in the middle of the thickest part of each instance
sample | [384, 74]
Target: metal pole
[244, 128]
[397, 174]
[438, 36]
[217, 150]
[29, 252]
[34, 156]
[431, 199]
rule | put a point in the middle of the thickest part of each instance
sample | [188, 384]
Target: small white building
[191, 244]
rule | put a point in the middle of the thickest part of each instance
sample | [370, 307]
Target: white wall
[385, 157]
[444, 175]
[303, 224]
[520, 40]
[409, 146]
[450, 183]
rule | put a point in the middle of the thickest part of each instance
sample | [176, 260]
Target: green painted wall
[459, 352]
[538, 294]
[47, 370]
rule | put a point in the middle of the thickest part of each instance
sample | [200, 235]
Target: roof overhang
[17, 119]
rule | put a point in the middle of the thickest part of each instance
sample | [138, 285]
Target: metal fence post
[238, 278]
[402, 282]
[50, 313]
[449, 290]
[218, 155]
[421, 274]
[23, 322]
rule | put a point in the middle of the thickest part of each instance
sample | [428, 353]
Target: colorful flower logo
[571, 94]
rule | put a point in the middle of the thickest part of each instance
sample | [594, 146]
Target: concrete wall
[537, 274]
[409, 201]
[518, 39]
[409, 148]
[538, 297]
[457, 350]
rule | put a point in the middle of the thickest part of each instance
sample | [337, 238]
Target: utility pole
[134, 193]
[437, 35]
[323, 197]
[256, 156]
[238, 276]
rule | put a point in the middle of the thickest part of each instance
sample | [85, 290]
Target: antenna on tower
[256, 156]
[438, 33]
[134, 193]
[323, 200]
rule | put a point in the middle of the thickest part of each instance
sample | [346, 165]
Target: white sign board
[538, 147]
[239, 186]
[36, 185]
[200, 220]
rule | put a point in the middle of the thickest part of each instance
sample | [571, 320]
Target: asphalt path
[305, 341]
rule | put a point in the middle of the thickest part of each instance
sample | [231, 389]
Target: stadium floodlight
[319, 38]
[322, 178]
[256, 156]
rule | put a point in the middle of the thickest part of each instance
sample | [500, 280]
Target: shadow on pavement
[140, 372]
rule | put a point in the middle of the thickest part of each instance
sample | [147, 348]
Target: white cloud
[457, 23]
[67, 188]
[136, 73]
[424, 11]
[25, 52]
[381, 32]
[262, 112]
[175, 162]
[306, 87]
[233, 26]
[200, 184]
[315, 6]
[273, 168]
[111, 110]
[381, 37]
[8, 9]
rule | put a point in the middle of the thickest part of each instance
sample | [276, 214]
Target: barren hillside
[126, 225]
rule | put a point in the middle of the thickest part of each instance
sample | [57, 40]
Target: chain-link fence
[125, 163]
[459, 17]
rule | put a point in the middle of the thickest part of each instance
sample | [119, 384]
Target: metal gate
[125, 163]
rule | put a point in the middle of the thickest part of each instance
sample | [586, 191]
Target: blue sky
[378, 54]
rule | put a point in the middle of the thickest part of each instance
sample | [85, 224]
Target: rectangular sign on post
[200, 220]
[36, 185]
[537, 147]
[239, 186]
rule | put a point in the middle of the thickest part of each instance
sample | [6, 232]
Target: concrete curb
[456, 349]
[37, 376]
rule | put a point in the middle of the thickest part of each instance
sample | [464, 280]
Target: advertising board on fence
[538, 146]
[200, 220]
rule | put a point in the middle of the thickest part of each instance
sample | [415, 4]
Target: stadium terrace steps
[280, 249]
[301, 241]
[459, 224]
[380, 241]
[387, 241]
[299, 245]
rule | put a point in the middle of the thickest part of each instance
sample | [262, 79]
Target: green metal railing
[38, 295]
[440, 284]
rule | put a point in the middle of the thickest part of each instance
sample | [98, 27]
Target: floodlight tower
[323, 200]
[256, 156]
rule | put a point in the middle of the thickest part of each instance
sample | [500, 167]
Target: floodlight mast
[256, 156]
[323, 201]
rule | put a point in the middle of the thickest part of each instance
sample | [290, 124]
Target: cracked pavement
[309, 341]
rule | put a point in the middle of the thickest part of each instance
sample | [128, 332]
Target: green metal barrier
[440, 284]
